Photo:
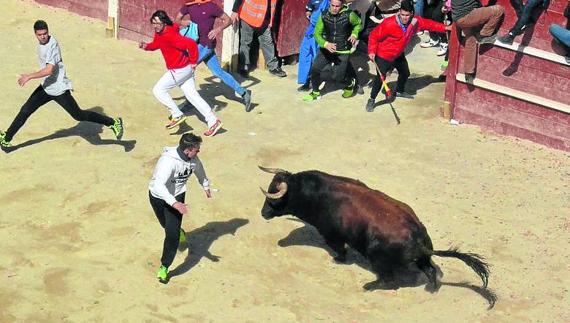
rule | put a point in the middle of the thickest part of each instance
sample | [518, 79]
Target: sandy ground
[79, 241]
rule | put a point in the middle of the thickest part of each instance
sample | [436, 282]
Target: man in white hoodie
[167, 190]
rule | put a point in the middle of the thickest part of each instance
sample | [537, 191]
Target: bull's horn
[272, 170]
[274, 196]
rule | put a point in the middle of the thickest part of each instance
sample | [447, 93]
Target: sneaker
[507, 39]
[444, 65]
[162, 274]
[213, 129]
[359, 89]
[429, 43]
[305, 87]
[348, 91]
[370, 105]
[3, 142]
[182, 236]
[469, 77]
[313, 95]
[247, 100]
[404, 95]
[442, 49]
[118, 128]
[487, 40]
[175, 121]
[278, 72]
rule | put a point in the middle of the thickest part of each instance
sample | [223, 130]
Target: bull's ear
[272, 170]
[274, 196]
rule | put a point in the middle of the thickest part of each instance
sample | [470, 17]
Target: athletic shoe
[175, 121]
[359, 89]
[162, 274]
[442, 49]
[312, 96]
[305, 87]
[348, 91]
[247, 100]
[444, 65]
[429, 43]
[487, 39]
[404, 95]
[3, 142]
[213, 129]
[370, 105]
[118, 128]
[182, 236]
[278, 72]
[507, 39]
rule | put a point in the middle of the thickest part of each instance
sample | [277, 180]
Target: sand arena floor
[79, 241]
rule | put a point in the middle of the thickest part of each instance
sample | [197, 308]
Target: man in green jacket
[336, 33]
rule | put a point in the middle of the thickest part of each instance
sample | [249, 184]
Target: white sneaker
[442, 49]
[429, 43]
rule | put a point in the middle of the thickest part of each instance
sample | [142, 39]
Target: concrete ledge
[534, 52]
[517, 94]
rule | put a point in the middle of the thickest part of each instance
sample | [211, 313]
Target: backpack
[190, 31]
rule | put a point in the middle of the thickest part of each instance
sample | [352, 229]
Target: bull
[345, 211]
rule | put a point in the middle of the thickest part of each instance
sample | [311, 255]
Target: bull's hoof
[377, 284]
[340, 259]
[432, 288]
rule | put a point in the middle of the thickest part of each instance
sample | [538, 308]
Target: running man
[167, 190]
[181, 55]
[204, 14]
[54, 86]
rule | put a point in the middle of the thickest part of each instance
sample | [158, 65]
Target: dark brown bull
[345, 211]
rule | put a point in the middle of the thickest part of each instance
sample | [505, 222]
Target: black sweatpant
[401, 65]
[171, 220]
[433, 11]
[39, 97]
[342, 71]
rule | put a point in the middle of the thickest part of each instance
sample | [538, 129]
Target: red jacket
[389, 41]
[177, 50]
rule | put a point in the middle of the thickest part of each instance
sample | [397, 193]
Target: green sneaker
[3, 142]
[182, 243]
[312, 96]
[117, 128]
[443, 65]
[162, 274]
[348, 91]
[182, 236]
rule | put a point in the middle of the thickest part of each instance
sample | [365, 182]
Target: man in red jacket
[181, 55]
[387, 43]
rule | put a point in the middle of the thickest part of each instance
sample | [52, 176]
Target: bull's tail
[475, 261]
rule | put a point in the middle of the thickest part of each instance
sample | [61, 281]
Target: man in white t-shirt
[167, 190]
[54, 86]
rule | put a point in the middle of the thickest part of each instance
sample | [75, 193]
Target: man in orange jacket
[256, 19]
[387, 43]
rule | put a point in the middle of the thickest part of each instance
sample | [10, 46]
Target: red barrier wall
[94, 8]
[517, 71]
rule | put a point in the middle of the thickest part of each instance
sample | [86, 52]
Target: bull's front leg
[339, 247]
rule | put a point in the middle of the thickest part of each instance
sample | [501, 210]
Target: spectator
[435, 11]
[336, 33]
[256, 19]
[524, 14]
[387, 43]
[479, 24]
[311, 6]
[308, 49]
[561, 34]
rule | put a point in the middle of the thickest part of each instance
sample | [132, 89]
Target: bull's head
[276, 195]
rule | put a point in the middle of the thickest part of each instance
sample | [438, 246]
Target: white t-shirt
[56, 83]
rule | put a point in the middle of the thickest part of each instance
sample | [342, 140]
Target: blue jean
[208, 55]
[525, 13]
[419, 8]
[562, 35]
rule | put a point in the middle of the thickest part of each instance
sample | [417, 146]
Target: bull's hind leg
[386, 278]
[339, 247]
[427, 267]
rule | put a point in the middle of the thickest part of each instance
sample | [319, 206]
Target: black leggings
[343, 70]
[171, 220]
[39, 97]
[401, 65]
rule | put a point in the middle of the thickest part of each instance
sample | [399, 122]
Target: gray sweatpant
[265, 38]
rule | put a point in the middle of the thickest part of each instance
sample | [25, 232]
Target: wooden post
[230, 42]
[447, 111]
[112, 19]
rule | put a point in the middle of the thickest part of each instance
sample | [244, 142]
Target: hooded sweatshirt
[390, 38]
[171, 174]
[177, 50]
